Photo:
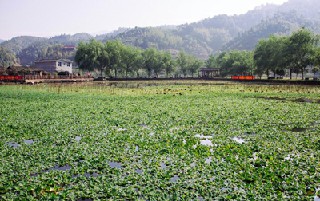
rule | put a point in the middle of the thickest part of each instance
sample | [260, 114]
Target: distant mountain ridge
[208, 36]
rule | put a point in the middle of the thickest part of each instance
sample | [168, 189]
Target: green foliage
[150, 60]
[89, 56]
[270, 55]
[235, 63]
[300, 50]
[294, 52]
[211, 62]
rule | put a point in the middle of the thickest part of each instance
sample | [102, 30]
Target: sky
[47, 18]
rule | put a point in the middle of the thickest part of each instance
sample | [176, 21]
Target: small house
[54, 65]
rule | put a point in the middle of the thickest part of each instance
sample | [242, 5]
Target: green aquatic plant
[187, 140]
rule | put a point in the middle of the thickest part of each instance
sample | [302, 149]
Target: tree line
[294, 52]
[114, 59]
[272, 55]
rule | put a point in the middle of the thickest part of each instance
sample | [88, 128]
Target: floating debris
[208, 160]
[121, 129]
[289, 157]
[203, 136]
[207, 143]
[239, 140]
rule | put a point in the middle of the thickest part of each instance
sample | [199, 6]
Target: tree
[7, 58]
[90, 56]
[299, 51]
[130, 59]
[182, 62]
[194, 64]
[114, 49]
[168, 63]
[268, 55]
[150, 60]
[211, 62]
[235, 62]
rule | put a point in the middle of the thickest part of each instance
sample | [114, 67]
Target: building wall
[63, 66]
[48, 66]
[53, 66]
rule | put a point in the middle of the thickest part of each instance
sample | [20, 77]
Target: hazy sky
[54, 17]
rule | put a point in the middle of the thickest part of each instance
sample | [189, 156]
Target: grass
[142, 140]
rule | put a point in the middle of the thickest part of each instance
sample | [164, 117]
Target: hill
[201, 39]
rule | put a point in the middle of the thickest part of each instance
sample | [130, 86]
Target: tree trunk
[290, 72]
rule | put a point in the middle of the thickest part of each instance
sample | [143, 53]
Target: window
[68, 64]
[59, 63]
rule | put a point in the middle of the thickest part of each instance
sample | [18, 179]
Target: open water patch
[316, 197]
[78, 138]
[298, 130]
[163, 166]
[55, 168]
[115, 165]
[28, 142]
[208, 160]
[174, 179]
[60, 168]
[303, 100]
[13, 144]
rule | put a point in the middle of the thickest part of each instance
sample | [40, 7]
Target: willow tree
[91, 56]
